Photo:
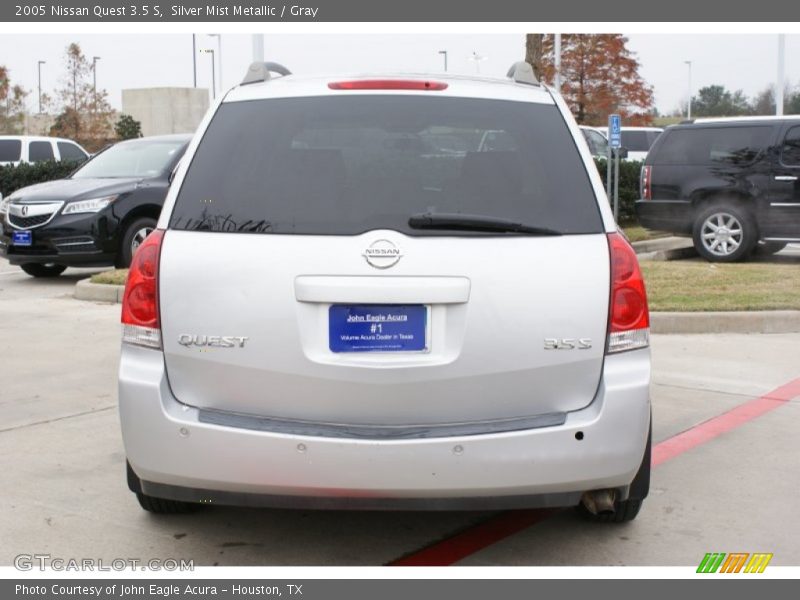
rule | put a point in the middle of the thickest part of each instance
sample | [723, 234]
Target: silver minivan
[354, 300]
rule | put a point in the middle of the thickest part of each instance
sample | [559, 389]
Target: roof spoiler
[260, 71]
[522, 72]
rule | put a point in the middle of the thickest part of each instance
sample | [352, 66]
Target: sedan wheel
[139, 237]
[134, 236]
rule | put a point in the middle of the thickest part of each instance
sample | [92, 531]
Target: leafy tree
[86, 113]
[599, 76]
[127, 128]
[717, 101]
[12, 105]
[764, 102]
[67, 124]
[791, 105]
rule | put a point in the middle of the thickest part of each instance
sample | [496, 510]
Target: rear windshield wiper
[465, 222]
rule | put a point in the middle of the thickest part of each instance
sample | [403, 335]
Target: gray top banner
[256, 11]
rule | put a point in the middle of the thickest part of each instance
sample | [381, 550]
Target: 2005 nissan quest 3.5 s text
[395, 292]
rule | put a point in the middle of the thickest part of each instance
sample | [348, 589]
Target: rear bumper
[674, 216]
[174, 455]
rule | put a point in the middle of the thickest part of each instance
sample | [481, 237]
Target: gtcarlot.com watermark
[42, 562]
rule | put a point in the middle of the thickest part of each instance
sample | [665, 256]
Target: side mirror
[622, 152]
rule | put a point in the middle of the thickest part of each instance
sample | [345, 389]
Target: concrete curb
[760, 321]
[764, 321]
[669, 248]
[98, 292]
[658, 244]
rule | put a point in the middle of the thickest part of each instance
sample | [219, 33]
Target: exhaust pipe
[599, 502]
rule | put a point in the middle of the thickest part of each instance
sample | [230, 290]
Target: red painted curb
[463, 544]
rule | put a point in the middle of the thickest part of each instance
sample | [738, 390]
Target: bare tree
[533, 52]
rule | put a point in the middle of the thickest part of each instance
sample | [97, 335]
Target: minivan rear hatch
[385, 260]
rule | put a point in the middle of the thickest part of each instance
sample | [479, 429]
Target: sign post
[614, 144]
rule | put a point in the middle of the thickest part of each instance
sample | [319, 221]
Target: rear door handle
[785, 177]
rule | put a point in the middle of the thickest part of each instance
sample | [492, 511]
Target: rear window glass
[70, 151]
[712, 145]
[40, 151]
[139, 158]
[10, 150]
[346, 165]
[639, 141]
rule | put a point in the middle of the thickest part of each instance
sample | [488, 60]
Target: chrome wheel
[721, 233]
[139, 237]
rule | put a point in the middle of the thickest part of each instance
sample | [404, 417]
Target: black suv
[732, 184]
[96, 217]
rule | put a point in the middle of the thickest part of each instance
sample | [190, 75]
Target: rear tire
[626, 510]
[163, 506]
[724, 233]
[159, 506]
[38, 270]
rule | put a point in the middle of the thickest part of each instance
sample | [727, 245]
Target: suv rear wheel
[724, 233]
[48, 270]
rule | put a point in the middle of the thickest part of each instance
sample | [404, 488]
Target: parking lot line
[475, 538]
[727, 421]
[498, 527]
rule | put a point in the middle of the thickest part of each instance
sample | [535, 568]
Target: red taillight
[629, 317]
[646, 183]
[388, 84]
[140, 301]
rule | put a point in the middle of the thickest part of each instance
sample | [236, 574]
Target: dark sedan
[96, 217]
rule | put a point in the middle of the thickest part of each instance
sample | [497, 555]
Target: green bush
[628, 186]
[13, 178]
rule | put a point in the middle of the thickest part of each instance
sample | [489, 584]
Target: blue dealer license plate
[377, 328]
[22, 238]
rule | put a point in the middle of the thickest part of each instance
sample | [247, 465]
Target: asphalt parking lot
[729, 489]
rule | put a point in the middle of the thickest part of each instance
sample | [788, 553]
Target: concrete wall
[166, 110]
[38, 124]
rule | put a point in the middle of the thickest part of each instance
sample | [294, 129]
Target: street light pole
[41, 62]
[213, 72]
[557, 53]
[781, 69]
[219, 58]
[194, 58]
[444, 53]
[258, 47]
[94, 80]
[689, 103]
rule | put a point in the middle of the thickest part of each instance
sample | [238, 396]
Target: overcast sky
[746, 62]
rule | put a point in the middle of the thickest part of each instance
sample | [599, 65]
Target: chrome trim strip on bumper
[377, 432]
